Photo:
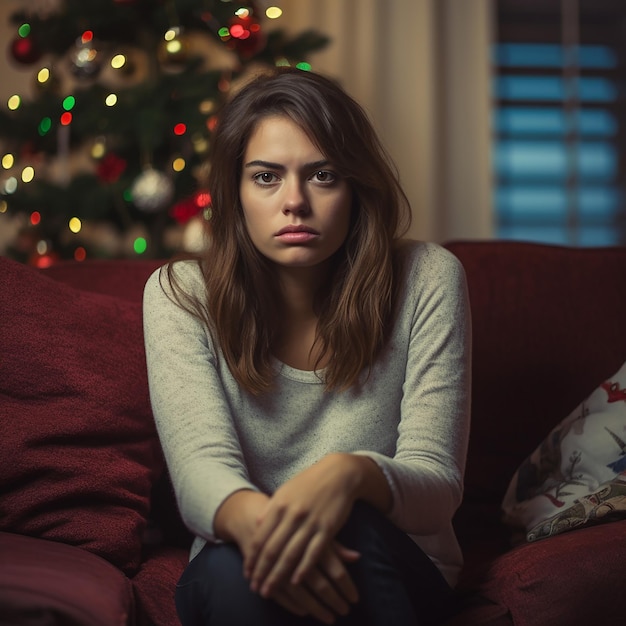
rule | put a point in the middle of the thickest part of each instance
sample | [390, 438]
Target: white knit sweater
[411, 416]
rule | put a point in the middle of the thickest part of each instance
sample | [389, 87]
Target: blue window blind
[557, 136]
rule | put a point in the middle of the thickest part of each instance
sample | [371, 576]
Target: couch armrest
[48, 583]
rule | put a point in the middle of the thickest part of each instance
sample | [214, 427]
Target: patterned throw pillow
[577, 475]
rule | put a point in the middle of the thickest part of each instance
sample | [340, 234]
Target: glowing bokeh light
[69, 102]
[24, 30]
[179, 164]
[42, 246]
[75, 225]
[28, 173]
[87, 36]
[7, 161]
[4, 206]
[174, 47]
[140, 245]
[35, 218]
[118, 61]
[10, 185]
[273, 12]
[98, 150]
[14, 102]
[111, 100]
[45, 125]
[180, 129]
[223, 32]
[304, 66]
[43, 75]
[242, 12]
[80, 254]
[66, 119]
[171, 34]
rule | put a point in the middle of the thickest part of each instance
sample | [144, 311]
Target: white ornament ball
[195, 236]
[152, 191]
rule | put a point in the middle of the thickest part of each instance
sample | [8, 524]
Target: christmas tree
[109, 158]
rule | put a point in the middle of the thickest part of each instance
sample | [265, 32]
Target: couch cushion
[155, 584]
[574, 578]
[80, 451]
[45, 582]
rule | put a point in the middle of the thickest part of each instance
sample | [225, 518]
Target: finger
[316, 546]
[267, 524]
[306, 600]
[346, 554]
[274, 568]
[336, 571]
[323, 589]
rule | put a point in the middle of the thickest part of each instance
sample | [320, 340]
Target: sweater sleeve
[426, 473]
[191, 412]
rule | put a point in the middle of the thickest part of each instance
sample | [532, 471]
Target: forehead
[279, 134]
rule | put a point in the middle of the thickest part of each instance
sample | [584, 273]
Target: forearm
[370, 484]
[236, 518]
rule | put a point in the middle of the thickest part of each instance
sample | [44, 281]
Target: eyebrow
[278, 166]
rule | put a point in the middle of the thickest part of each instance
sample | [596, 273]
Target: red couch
[89, 532]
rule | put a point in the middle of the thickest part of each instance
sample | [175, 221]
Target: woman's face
[296, 207]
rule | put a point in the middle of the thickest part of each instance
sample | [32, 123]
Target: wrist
[365, 480]
[237, 515]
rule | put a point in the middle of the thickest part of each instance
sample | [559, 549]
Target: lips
[296, 234]
[296, 228]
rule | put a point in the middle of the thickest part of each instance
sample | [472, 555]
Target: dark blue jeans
[398, 584]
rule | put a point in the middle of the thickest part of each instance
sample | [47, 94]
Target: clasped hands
[288, 542]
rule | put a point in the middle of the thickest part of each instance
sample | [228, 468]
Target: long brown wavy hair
[356, 306]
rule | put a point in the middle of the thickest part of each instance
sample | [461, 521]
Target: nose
[295, 200]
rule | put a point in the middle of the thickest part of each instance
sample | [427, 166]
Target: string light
[66, 119]
[4, 206]
[179, 164]
[86, 37]
[44, 126]
[14, 102]
[75, 225]
[273, 13]
[42, 246]
[7, 161]
[305, 67]
[80, 254]
[140, 245]
[180, 129]
[118, 61]
[24, 30]
[68, 103]
[28, 173]
[111, 100]
[43, 75]
[35, 218]
[10, 185]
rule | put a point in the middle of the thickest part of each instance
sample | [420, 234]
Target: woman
[309, 377]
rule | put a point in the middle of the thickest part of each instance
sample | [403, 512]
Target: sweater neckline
[310, 377]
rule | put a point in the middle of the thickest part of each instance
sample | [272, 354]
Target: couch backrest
[548, 327]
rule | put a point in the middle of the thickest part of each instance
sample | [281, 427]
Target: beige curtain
[421, 68]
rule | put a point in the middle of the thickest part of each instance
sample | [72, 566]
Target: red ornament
[247, 38]
[188, 208]
[25, 50]
[110, 168]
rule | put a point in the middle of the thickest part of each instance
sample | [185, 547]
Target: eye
[265, 178]
[324, 176]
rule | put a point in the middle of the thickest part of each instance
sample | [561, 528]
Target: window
[559, 153]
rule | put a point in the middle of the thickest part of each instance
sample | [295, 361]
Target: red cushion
[44, 582]
[155, 584]
[576, 578]
[80, 450]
